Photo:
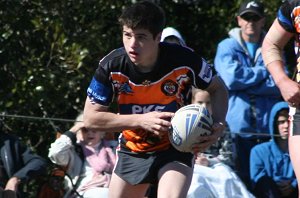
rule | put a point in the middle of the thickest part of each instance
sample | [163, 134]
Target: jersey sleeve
[100, 89]
[205, 75]
[286, 13]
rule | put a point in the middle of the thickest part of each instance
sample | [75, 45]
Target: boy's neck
[149, 64]
[283, 145]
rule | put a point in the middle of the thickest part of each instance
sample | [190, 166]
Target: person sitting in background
[212, 176]
[221, 151]
[202, 98]
[18, 165]
[89, 160]
[271, 170]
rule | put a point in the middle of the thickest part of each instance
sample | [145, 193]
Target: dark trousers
[267, 188]
[152, 191]
[242, 148]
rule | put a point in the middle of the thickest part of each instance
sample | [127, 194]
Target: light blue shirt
[251, 47]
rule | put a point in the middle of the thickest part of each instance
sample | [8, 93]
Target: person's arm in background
[61, 151]
[257, 167]
[236, 76]
[272, 48]
[32, 166]
[274, 42]
[265, 88]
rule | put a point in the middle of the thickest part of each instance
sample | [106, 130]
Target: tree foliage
[49, 50]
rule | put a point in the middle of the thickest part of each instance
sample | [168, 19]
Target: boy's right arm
[97, 117]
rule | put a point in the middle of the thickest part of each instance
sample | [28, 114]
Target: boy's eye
[127, 34]
[141, 37]
[282, 121]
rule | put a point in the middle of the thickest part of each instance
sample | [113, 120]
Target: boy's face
[140, 46]
[283, 124]
[203, 98]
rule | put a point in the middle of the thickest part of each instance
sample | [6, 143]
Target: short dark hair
[145, 15]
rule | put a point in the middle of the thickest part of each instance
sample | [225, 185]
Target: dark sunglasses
[251, 17]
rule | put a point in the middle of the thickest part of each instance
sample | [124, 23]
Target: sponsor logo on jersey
[122, 87]
[146, 82]
[125, 88]
[182, 79]
[98, 92]
[206, 72]
[169, 88]
[94, 96]
[138, 109]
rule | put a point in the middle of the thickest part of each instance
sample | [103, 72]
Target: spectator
[220, 151]
[286, 26]
[252, 91]
[18, 165]
[171, 35]
[271, 170]
[212, 177]
[89, 160]
[150, 81]
[201, 97]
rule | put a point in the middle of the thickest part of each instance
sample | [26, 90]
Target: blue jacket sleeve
[32, 164]
[235, 69]
[294, 183]
[266, 87]
[257, 168]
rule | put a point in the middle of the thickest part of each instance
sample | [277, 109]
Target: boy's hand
[156, 122]
[206, 141]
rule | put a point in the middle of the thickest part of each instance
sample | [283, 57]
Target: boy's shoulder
[115, 54]
[175, 48]
[171, 51]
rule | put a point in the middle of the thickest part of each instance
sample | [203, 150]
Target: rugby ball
[188, 123]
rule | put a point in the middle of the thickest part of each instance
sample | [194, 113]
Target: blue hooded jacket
[267, 159]
[251, 88]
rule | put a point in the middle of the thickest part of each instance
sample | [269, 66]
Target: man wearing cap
[252, 91]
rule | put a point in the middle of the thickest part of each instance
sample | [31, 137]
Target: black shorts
[294, 121]
[141, 168]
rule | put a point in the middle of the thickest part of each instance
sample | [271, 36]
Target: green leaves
[49, 50]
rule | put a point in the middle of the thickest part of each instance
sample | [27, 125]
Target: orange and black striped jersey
[166, 88]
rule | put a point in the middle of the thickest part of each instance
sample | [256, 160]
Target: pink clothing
[102, 163]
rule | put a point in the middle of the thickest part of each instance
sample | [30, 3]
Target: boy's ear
[158, 36]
